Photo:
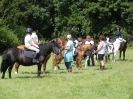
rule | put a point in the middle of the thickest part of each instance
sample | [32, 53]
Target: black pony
[16, 55]
[123, 45]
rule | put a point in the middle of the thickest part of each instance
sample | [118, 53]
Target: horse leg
[39, 70]
[4, 71]
[77, 63]
[80, 63]
[113, 57]
[45, 63]
[16, 68]
[55, 67]
[120, 54]
[124, 54]
[10, 70]
[56, 63]
[92, 59]
[44, 66]
[106, 58]
[86, 61]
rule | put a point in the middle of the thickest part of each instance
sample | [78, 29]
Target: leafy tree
[8, 38]
[55, 18]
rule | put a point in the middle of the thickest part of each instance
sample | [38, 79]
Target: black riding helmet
[117, 28]
[28, 30]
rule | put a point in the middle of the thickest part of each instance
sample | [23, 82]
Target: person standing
[68, 54]
[89, 54]
[101, 50]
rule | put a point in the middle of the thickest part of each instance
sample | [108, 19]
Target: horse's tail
[3, 62]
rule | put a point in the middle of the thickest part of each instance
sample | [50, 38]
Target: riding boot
[35, 58]
[103, 67]
[100, 67]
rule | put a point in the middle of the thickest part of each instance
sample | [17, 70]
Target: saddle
[27, 52]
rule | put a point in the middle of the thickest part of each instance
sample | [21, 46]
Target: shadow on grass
[47, 72]
[31, 76]
[106, 68]
[28, 77]
[126, 60]
[28, 73]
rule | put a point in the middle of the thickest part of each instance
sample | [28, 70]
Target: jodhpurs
[33, 48]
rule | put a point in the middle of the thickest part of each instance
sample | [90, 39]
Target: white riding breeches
[35, 45]
[33, 48]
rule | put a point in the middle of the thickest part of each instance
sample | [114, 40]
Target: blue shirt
[68, 57]
[117, 34]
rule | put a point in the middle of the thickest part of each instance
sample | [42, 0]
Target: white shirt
[69, 43]
[107, 39]
[76, 43]
[27, 40]
[103, 49]
[34, 36]
[89, 42]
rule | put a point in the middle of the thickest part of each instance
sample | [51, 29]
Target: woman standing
[101, 50]
[68, 54]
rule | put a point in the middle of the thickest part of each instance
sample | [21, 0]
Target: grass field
[114, 83]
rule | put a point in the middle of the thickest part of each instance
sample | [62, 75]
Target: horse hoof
[16, 72]
[55, 68]
[2, 77]
[39, 77]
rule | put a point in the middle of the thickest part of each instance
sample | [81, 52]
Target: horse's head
[59, 42]
[129, 38]
[56, 46]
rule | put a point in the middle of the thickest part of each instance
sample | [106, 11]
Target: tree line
[54, 18]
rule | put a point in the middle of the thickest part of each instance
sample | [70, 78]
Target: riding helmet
[69, 36]
[28, 30]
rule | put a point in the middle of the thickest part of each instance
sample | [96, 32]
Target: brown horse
[56, 59]
[81, 50]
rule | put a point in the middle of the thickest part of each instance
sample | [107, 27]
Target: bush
[7, 38]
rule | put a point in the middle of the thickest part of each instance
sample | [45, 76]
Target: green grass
[114, 83]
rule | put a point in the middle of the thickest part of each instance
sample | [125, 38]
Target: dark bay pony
[54, 62]
[123, 46]
[16, 55]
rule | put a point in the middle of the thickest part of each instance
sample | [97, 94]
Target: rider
[35, 39]
[118, 34]
[29, 44]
